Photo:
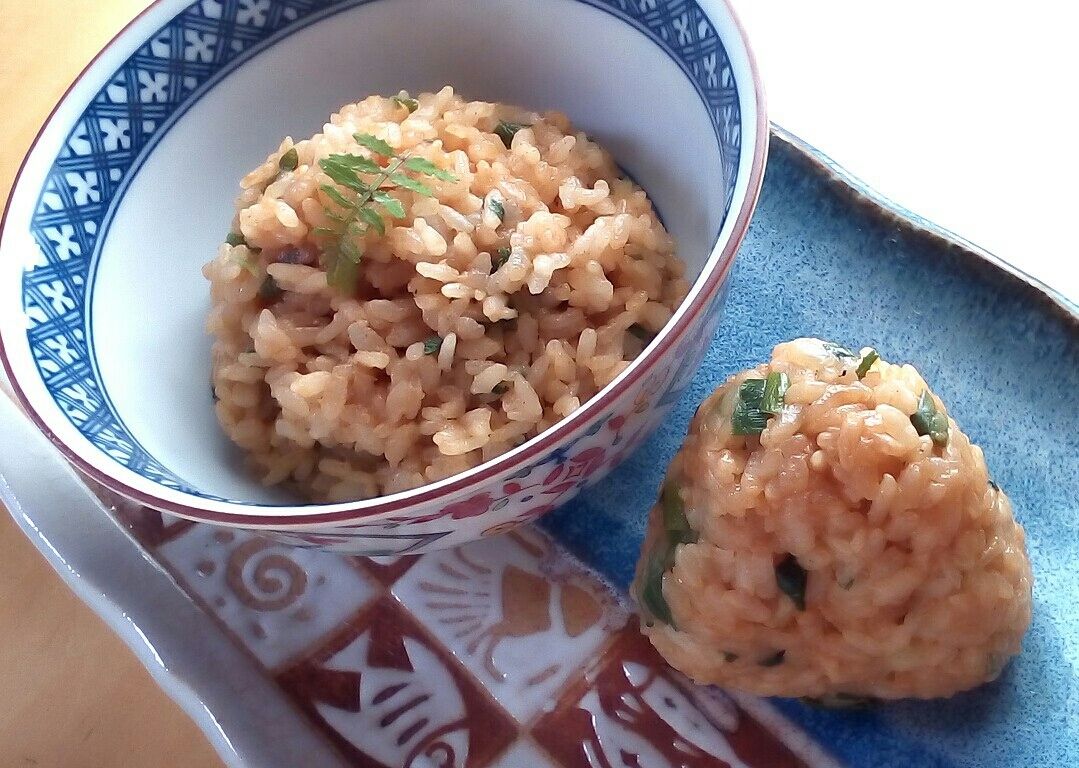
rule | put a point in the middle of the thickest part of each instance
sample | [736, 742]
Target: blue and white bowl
[129, 189]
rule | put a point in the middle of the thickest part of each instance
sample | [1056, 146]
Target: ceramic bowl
[129, 189]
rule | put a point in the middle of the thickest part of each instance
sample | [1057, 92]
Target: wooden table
[72, 695]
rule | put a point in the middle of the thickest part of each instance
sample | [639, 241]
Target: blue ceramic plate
[827, 257]
[243, 633]
[365, 663]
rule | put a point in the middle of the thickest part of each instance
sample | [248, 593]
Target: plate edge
[883, 207]
[89, 576]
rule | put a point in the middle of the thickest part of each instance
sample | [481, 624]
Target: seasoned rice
[846, 551]
[448, 352]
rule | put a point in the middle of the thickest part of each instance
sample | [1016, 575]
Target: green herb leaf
[235, 238]
[389, 203]
[356, 216]
[350, 250]
[500, 258]
[334, 194]
[358, 163]
[641, 333]
[791, 579]
[342, 273]
[927, 420]
[371, 218]
[343, 173]
[375, 144]
[506, 131]
[427, 168]
[289, 160]
[775, 387]
[774, 660]
[867, 362]
[405, 101]
[838, 350]
[748, 418]
[497, 208]
[407, 182]
[432, 345]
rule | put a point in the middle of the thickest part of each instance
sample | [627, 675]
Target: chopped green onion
[838, 350]
[497, 208]
[270, 290]
[774, 660]
[791, 580]
[289, 160]
[927, 420]
[674, 516]
[661, 559]
[867, 362]
[235, 238]
[506, 131]
[404, 100]
[651, 598]
[501, 258]
[432, 345]
[748, 418]
[775, 387]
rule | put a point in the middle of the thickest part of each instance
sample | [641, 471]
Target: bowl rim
[299, 516]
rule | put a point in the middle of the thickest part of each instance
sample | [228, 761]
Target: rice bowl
[140, 360]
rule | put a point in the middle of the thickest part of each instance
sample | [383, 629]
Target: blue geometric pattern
[157, 84]
[683, 30]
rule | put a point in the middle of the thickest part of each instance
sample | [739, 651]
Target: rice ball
[827, 531]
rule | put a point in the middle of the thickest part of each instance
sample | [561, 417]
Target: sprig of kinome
[361, 198]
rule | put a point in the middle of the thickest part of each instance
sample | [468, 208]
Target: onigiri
[827, 531]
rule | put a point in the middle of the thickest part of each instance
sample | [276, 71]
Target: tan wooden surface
[72, 695]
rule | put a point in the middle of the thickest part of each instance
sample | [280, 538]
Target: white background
[964, 112]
